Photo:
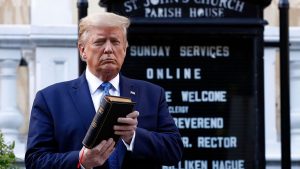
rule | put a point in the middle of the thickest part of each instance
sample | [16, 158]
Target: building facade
[38, 47]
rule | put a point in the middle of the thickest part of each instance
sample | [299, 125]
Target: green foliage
[7, 156]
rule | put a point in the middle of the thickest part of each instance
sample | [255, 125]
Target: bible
[101, 128]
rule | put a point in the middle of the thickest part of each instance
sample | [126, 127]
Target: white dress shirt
[96, 94]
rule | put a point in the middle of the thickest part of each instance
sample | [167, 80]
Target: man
[62, 113]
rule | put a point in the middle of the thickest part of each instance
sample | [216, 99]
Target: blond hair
[102, 19]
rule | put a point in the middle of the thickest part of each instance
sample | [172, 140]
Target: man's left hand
[127, 127]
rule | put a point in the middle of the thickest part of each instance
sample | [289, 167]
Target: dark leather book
[101, 128]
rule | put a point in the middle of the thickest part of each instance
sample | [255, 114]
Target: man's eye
[99, 43]
[116, 42]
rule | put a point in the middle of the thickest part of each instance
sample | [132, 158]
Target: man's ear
[126, 46]
[81, 51]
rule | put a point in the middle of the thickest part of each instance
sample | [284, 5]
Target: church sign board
[208, 56]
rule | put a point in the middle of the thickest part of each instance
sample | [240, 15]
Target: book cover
[101, 128]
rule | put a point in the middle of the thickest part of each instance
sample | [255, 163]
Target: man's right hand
[98, 155]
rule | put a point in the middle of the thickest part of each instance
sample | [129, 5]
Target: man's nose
[108, 48]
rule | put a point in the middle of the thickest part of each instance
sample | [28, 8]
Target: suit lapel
[128, 89]
[82, 100]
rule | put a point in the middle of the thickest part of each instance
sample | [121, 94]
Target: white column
[56, 54]
[272, 137]
[10, 116]
[12, 39]
[55, 41]
[49, 12]
[295, 91]
[294, 97]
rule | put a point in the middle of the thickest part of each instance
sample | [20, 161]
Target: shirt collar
[94, 82]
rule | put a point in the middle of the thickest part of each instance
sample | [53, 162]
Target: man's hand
[127, 127]
[98, 155]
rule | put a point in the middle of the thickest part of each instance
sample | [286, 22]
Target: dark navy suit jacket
[61, 115]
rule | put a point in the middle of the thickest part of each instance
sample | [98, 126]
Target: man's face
[104, 52]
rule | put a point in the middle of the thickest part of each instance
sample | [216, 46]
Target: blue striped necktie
[115, 160]
[105, 88]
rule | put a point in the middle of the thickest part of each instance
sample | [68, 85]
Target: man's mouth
[108, 61]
